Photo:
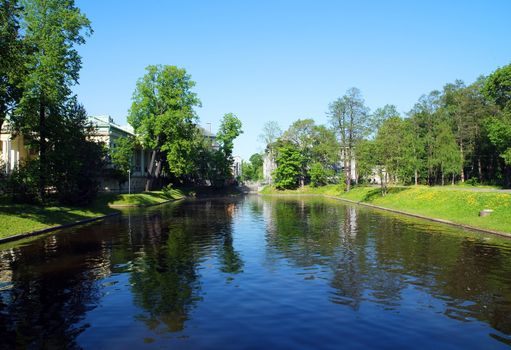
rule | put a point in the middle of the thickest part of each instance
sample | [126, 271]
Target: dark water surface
[257, 272]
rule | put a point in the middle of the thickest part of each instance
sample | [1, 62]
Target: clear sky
[284, 60]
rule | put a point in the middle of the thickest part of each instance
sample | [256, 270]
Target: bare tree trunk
[416, 177]
[452, 180]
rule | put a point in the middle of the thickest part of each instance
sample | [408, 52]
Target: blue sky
[284, 60]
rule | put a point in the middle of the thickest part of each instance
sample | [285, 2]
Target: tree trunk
[452, 179]
[157, 173]
[382, 183]
[416, 177]
[150, 171]
[462, 173]
[346, 169]
[42, 150]
[479, 169]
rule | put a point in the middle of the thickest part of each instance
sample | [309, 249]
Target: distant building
[108, 132]
[12, 149]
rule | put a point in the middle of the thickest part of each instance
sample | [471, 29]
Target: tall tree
[163, 114]
[446, 154]
[230, 129]
[498, 87]
[425, 115]
[350, 118]
[270, 133]
[289, 165]
[122, 157]
[379, 116]
[51, 29]
[300, 133]
[11, 63]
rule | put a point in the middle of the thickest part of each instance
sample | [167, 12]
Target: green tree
[256, 160]
[320, 175]
[289, 165]
[425, 115]
[325, 148]
[300, 133]
[394, 152]
[163, 114]
[349, 117]
[498, 87]
[271, 132]
[230, 129]
[11, 64]
[51, 30]
[380, 115]
[446, 153]
[75, 161]
[366, 158]
[253, 169]
[122, 155]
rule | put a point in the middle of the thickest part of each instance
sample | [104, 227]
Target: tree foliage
[122, 156]
[230, 129]
[163, 114]
[289, 165]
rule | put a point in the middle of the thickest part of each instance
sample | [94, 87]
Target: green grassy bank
[22, 218]
[460, 206]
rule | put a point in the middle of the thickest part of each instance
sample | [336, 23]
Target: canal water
[257, 272]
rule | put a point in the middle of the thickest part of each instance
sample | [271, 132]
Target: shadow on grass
[376, 193]
[45, 215]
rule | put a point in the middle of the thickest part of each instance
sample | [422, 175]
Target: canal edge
[419, 216]
[54, 228]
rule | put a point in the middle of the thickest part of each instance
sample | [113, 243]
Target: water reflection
[50, 284]
[378, 258]
[299, 267]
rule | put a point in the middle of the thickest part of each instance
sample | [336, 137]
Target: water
[257, 272]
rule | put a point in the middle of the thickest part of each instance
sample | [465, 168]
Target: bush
[21, 185]
[167, 191]
[320, 175]
[473, 181]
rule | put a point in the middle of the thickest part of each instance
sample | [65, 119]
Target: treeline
[38, 67]
[459, 134]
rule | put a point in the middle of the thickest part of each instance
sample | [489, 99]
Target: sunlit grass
[461, 206]
[23, 218]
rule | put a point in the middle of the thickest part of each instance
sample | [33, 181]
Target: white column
[4, 155]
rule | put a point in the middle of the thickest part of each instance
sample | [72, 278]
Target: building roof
[106, 121]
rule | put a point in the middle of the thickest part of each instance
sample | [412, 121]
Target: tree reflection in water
[165, 278]
[376, 257]
[295, 261]
[46, 299]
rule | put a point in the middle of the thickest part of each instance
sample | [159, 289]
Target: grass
[22, 218]
[461, 206]
[141, 199]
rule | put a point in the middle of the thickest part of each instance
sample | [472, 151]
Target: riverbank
[18, 219]
[460, 207]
